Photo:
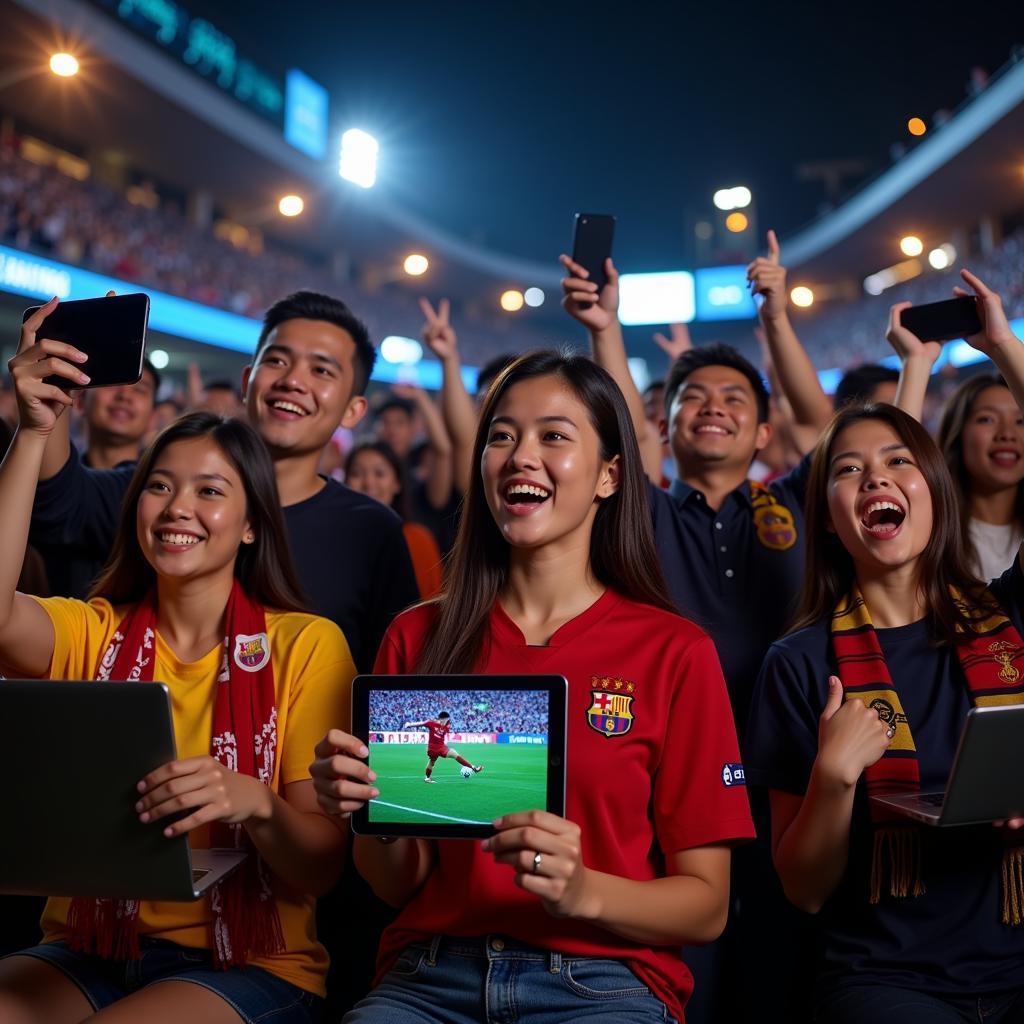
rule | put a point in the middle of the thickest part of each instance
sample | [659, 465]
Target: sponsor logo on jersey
[733, 775]
[252, 652]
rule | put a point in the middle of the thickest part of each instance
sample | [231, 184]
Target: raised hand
[438, 333]
[851, 736]
[40, 404]
[905, 343]
[676, 343]
[558, 875]
[342, 781]
[581, 300]
[766, 276]
[995, 329]
[216, 792]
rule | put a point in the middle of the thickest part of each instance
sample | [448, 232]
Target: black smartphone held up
[110, 330]
[943, 321]
[592, 244]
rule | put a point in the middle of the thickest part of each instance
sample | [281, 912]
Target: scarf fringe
[105, 927]
[1013, 885]
[899, 848]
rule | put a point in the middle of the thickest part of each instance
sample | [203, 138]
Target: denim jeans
[494, 980]
[886, 1004]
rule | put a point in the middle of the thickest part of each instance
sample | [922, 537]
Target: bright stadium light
[512, 300]
[732, 198]
[533, 297]
[737, 222]
[802, 296]
[159, 358]
[916, 126]
[911, 245]
[290, 206]
[415, 264]
[64, 65]
[358, 162]
[661, 298]
[942, 257]
[396, 349]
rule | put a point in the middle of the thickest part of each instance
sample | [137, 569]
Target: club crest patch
[611, 707]
[773, 522]
[251, 652]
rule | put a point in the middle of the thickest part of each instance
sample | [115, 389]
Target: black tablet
[452, 753]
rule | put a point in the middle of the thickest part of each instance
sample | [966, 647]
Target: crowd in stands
[470, 710]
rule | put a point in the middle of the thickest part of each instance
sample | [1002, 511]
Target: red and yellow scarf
[991, 659]
[245, 919]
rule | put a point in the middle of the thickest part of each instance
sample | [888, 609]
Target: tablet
[452, 753]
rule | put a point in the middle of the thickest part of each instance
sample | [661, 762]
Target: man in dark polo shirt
[732, 554]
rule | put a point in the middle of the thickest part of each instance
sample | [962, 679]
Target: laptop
[72, 756]
[985, 783]
[454, 752]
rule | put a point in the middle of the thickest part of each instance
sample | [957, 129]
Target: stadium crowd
[470, 710]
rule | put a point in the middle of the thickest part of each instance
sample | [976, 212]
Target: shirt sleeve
[81, 633]
[1009, 591]
[392, 658]
[699, 794]
[80, 506]
[782, 731]
[319, 697]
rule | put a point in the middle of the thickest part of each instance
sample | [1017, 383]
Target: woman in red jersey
[554, 570]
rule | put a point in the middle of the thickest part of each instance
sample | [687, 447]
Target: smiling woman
[200, 594]
[895, 641]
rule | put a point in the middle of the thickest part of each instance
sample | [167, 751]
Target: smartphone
[110, 330]
[592, 244]
[943, 321]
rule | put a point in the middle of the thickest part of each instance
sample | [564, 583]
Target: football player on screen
[438, 729]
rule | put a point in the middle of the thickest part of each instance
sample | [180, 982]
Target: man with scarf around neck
[200, 594]
[895, 641]
[732, 554]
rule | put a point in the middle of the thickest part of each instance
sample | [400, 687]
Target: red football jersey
[652, 769]
[438, 734]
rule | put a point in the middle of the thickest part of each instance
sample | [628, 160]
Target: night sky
[499, 121]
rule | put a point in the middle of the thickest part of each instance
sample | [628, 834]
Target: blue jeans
[254, 994]
[494, 980]
[886, 1004]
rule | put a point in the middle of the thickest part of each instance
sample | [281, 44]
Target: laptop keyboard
[197, 874]
[933, 799]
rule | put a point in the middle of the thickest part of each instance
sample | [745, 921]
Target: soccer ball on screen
[466, 772]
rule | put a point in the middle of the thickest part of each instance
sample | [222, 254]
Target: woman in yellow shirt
[200, 593]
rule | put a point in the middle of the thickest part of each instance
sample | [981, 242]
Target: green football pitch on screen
[514, 778]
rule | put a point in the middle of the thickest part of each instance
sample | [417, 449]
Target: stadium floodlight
[911, 245]
[512, 300]
[396, 349]
[736, 198]
[668, 297]
[291, 206]
[802, 296]
[916, 126]
[159, 358]
[358, 162]
[415, 264]
[64, 65]
[942, 257]
[737, 222]
[534, 297]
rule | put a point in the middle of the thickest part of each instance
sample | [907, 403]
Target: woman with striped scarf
[895, 641]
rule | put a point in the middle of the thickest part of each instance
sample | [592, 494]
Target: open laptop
[986, 782]
[72, 755]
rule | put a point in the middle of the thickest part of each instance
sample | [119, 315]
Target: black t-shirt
[348, 549]
[730, 574]
[950, 939]
[443, 523]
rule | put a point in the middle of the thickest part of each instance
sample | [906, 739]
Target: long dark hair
[622, 554]
[829, 572]
[957, 411]
[400, 502]
[264, 568]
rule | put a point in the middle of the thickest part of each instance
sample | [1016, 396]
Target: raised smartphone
[110, 330]
[592, 244]
[943, 321]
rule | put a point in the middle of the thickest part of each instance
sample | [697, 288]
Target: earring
[249, 538]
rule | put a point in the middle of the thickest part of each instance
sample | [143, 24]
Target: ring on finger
[891, 731]
[536, 863]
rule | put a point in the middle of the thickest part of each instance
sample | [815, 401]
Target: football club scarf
[245, 919]
[991, 658]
